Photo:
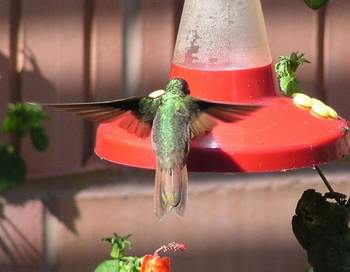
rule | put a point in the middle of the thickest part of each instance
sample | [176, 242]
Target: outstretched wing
[207, 111]
[138, 122]
[99, 111]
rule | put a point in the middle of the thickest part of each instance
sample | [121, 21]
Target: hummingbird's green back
[171, 140]
[171, 136]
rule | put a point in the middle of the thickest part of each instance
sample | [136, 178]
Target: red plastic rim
[277, 137]
[236, 86]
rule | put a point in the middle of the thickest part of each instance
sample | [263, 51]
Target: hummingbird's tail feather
[170, 190]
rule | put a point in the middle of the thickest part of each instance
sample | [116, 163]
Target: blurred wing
[201, 124]
[107, 110]
[133, 124]
[225, 111]
[99, 111]
[208, 111]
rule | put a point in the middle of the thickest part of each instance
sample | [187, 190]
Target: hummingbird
[174, 118]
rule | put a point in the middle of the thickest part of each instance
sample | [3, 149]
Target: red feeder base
[279, 136]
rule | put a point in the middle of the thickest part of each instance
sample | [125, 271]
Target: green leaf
[120, 262]
[119, 245]
[125, 264]
[315, 4]
[289, 85]
[21, 118]
[285, 83]
[39, 138]
[108, 266]
[131, 263]
[138, 263]
[296, 60]
[286, 68]
[12, 168]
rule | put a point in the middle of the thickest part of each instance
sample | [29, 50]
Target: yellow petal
[302, 100]
[320, 109]
[316, 101]
[332, 113]
[295, 94]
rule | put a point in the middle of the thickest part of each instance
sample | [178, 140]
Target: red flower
[155, 263]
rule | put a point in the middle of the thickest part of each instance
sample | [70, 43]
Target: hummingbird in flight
[174, 118]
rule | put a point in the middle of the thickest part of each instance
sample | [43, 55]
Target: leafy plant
[147, 263]
[120, 262]
[321, 225]
[12, 167]
[21, 119]
[286, 68]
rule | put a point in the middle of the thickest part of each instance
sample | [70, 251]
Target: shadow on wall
[14, 244]
[34, 78]
[4, 87]
[17, 248]
[39, 85]
[11, 92]
[58, 197]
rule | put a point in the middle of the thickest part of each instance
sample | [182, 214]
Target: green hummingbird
[174, 118]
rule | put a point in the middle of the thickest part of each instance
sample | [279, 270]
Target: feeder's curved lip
[279, 136]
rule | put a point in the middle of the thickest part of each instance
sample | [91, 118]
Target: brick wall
[101, 49]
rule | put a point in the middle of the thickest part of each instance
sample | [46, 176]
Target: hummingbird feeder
[222, 52]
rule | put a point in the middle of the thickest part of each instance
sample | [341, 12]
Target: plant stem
[325, 181]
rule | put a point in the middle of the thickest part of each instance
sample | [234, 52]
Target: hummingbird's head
[177, 85]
